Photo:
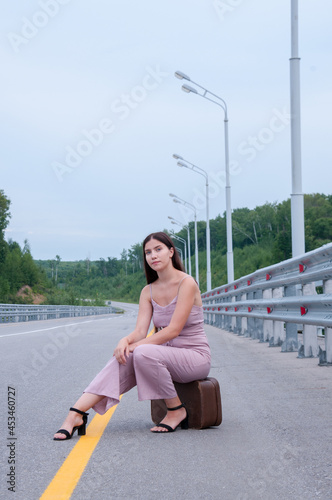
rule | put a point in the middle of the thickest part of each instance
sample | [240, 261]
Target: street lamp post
[176, 199]
[297, 204]
[185, 247]
[174, 221]
[202, 172]
[223, 105]
[180, 252]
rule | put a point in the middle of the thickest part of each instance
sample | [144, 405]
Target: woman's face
[157, 254]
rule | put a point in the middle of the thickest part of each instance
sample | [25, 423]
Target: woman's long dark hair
[151, 274]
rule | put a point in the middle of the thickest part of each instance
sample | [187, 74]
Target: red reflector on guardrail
[268, 276]
[304, 310]
[302, 268]
[269, 310]
[249, 282]
[249, 309]
[226, 290]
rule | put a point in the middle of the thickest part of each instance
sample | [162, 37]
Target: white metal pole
[230, 258]
[180, 252]
[297, 199]
[196, 251]
[176, 199]
[185, 249]
[189, 257]
[208, 244]
[185, 256]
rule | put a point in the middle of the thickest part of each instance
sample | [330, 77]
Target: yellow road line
[64, 482]
[67, 477]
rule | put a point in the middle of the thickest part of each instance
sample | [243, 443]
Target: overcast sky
[92, 113]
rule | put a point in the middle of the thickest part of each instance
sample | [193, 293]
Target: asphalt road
[274, 442]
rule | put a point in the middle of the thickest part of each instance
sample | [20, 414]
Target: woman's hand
[121, 352]
[132, 347]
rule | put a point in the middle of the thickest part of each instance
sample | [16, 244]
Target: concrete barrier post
[233, 319]
[326, 356]
[250, 321]
[244, 321]
[290, 343]
[258, 333]
[238, 319]
[267, 324]
[278, 326]
[310, 338]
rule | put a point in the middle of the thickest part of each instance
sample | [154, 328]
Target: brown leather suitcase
[202, 399]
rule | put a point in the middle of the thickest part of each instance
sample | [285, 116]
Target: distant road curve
[131, 309]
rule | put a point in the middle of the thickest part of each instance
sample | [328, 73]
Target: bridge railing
[279, 302]
[21, 312]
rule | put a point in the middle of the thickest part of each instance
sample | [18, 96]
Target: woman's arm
[143, 318]
[185, 302]
[142, 324]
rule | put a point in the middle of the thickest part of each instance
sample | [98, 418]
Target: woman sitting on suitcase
[179, 351]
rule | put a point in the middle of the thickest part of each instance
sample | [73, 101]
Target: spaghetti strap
[188, 276]
[152, 300]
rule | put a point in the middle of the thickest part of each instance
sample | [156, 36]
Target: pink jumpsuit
[154, 367]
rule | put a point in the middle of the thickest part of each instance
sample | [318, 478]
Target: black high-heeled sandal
[184, 423]
[81, 429]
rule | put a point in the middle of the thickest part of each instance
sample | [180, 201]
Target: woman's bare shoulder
[190, 279]
[145, 293]
[190, 288]
[187, 282]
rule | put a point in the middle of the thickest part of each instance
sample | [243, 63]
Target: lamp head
[181, 76]
[177, 157]
[187, 88]
[181, 164]
[172, 195]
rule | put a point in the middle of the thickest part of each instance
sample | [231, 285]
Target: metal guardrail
[274, 304]
[21, 312]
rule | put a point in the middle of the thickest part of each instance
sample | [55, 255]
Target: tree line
[261, 237]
